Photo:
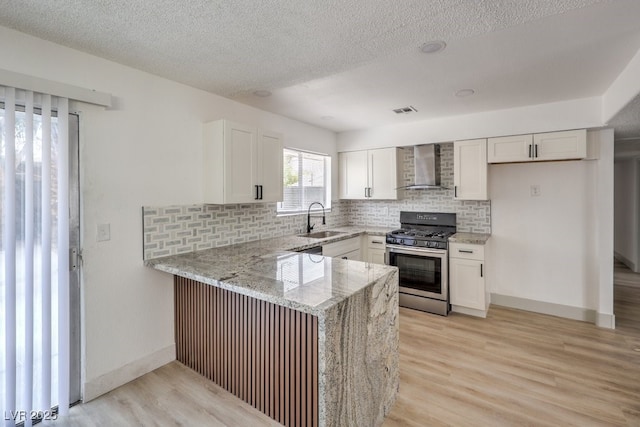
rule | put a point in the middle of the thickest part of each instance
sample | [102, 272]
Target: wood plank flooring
[624, 276]
[513, 368]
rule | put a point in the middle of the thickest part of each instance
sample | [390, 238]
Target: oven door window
[419, 272]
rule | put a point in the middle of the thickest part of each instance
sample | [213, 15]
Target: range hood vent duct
[427, 167]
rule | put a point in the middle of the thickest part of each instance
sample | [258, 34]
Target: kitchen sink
[321, 234]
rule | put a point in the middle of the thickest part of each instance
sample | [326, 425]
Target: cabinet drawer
[466, 251]
[341, 247]
[376, 242]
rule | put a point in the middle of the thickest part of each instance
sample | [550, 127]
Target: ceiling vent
[405, 110]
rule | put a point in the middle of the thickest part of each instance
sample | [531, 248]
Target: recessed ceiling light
[262, 93]
[463, 93]
[433, 46]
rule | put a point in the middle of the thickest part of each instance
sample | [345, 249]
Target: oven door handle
[441, 253]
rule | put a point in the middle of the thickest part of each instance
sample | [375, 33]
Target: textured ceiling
[354, 60]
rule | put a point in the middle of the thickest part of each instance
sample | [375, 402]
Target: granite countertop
[470, 238]
[272, 270]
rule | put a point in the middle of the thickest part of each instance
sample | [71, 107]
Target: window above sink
[306, 179]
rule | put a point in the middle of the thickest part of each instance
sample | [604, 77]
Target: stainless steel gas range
[419, 250]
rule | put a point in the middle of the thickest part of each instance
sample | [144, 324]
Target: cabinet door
[375, 256]
[270, 166]
[383, 175]
[470, 169]
[506, 149]
[240, 163]
[466, 283]
[561, 145]
[353, 174]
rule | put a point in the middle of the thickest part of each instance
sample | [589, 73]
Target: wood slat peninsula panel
[265, 354]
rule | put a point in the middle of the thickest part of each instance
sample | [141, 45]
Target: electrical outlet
[535, 190]
[104, 232]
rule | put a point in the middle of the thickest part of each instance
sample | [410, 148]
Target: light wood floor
[513, 368]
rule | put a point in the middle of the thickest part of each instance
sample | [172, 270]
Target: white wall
[622, 90]
[574, 114]
[542, 244]
[627, 194]
[145, 150]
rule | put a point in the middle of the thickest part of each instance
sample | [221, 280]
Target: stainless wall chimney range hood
[427, 167]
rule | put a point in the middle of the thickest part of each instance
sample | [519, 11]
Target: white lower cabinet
[345, 249]
[467, 279]
[375, 249]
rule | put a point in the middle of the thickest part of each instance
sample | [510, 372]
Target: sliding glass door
[39, 270]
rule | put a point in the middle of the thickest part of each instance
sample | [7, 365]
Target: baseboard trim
[626, 261]
[559, 310]
[129, 372]
[469, 311]
[606, 321]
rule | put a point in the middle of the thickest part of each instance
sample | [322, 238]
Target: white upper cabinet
[270, 166]
[565, 145]
[353, 172]
[470, 169]
[369, 174]
[383, 173]
[507, 149]
[241, 164]
[560, 145]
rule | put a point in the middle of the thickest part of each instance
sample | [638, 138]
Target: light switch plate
[535, 190]
[104, 232]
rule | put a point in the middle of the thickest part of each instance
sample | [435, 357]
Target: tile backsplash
[172, 230]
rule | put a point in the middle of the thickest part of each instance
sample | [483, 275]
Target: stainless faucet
[309, 226]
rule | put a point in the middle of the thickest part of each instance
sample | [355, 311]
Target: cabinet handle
[377, 242]
[465, 251]
[344, 257]
[260, 192]
[530, 147]
[369, 190]
[535, 151]
[481, 273]
[455, 191]
[366, 194]
[257, 192]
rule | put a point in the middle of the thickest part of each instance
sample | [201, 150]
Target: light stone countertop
[470, 238]
[271, 270]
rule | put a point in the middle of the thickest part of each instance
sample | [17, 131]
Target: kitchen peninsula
[306, 339]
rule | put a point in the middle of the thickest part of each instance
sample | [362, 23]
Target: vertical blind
[34, 256]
